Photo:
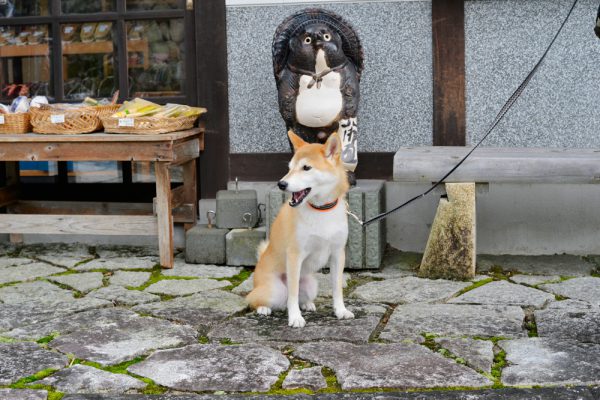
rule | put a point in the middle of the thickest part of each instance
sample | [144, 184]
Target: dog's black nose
[282, 185]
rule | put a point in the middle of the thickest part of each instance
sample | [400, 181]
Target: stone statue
[597, 28]
[317, 61]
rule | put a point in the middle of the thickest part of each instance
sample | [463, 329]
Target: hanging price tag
[126, 122]
[1, 119]
[57, 119]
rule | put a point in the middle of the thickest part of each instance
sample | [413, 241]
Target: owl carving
[317, 62]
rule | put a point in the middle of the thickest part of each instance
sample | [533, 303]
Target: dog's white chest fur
[321, 104]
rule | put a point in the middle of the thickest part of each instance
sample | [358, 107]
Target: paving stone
[117, 263]
[83, 282]
[245, 287]
[582, 325]
[182, 287]
[18, 360]
[251, 367]
[320, 325]
[376, 365]
[27, 272]
[478, 354]
[85, 379]
[547, 361]
[122, 335]
[533, 280]
[505, 293]
[116, 251]
[396, 264]
[308, 378]
[565, 265]
[324, 282]
[23, 394]
[585, 289]
[64, 255]
[7, 248]
[118, 295]
[129, 278]
[408, 290]
[181, 268]
[202, 310]
[411, 320]
[14, 261]
[569, 304]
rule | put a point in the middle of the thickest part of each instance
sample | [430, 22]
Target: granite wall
[396, 87]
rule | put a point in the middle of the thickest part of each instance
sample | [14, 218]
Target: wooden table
[166, 150]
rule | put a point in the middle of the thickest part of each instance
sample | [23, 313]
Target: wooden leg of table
[163, 214]
[190, 192]
[12, 178]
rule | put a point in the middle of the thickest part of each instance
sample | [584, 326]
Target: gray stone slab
[23, 394]
[504, 293]
[572, 305]
[411, 320]
[547, 361]
[41, 291]
[323, 281]
[182, 287]
[245, 287]
[64, 255]
[183, 269]
[204, 245]
[117, 263]
[27, 272]
[533, 280]
[83, 282]
[233, 204]
[129, 278]
[320, 325]
[244, 368]
[585, 289]
[14, 261]
[241, 245]
[84, 379]
[397, 264]
[377, 365]
[478, 354]
[18, 360]
[122, 335]
[112, 251]
[307, 378]
[118, 295]
[202, 310]
[564, 265]
[581, 325]
[409, 290]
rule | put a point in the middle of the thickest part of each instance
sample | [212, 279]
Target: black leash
[509, 103]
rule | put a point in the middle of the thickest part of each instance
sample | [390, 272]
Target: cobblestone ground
[106, 323]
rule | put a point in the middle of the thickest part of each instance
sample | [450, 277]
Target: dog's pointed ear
[333, 146]
[296, 140]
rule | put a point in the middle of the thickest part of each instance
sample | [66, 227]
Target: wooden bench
[166, 150]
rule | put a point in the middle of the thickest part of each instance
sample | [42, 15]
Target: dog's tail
[261, 248]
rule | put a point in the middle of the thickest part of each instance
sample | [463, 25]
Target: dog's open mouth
[298, 197]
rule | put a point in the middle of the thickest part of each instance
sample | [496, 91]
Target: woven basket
[76, 120]
[149, 125]
[15, 123]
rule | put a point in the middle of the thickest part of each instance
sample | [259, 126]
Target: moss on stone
[474, 286]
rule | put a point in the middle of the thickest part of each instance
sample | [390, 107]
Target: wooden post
[449, 106]
[164, 214]
[190, 190]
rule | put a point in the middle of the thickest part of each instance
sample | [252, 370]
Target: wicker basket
[148, 125]
[15, 123]
[69, 121]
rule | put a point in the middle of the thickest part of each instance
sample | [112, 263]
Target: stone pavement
[79, 322]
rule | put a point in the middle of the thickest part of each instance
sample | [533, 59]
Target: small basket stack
[147, 125]
[15, 123]
[69, 121]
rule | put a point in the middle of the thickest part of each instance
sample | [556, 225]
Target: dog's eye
[307, 168]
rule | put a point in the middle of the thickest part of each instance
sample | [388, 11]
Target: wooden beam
[449, 106]
[80, 208]
[164, 215]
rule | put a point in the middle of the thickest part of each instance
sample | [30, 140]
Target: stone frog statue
[597, 28]
[317, 62]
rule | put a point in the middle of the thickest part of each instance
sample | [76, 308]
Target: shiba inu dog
[309, 233]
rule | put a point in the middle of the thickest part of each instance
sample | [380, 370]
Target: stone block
[241, 245]
[204, 245]
[450, 251]
[232, 205]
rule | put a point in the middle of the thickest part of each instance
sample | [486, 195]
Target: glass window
[89, 68]
[156, 57]
[20, 8]
[87, 6]
[25, 67]
[139, 5]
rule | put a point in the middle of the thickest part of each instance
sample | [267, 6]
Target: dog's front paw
[296, 321]
[263, 311]
[310, 306]
[343, 313]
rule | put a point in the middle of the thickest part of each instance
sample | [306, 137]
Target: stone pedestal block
[232, 205]
[241, 245]
[204, 245]
[450, 251]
